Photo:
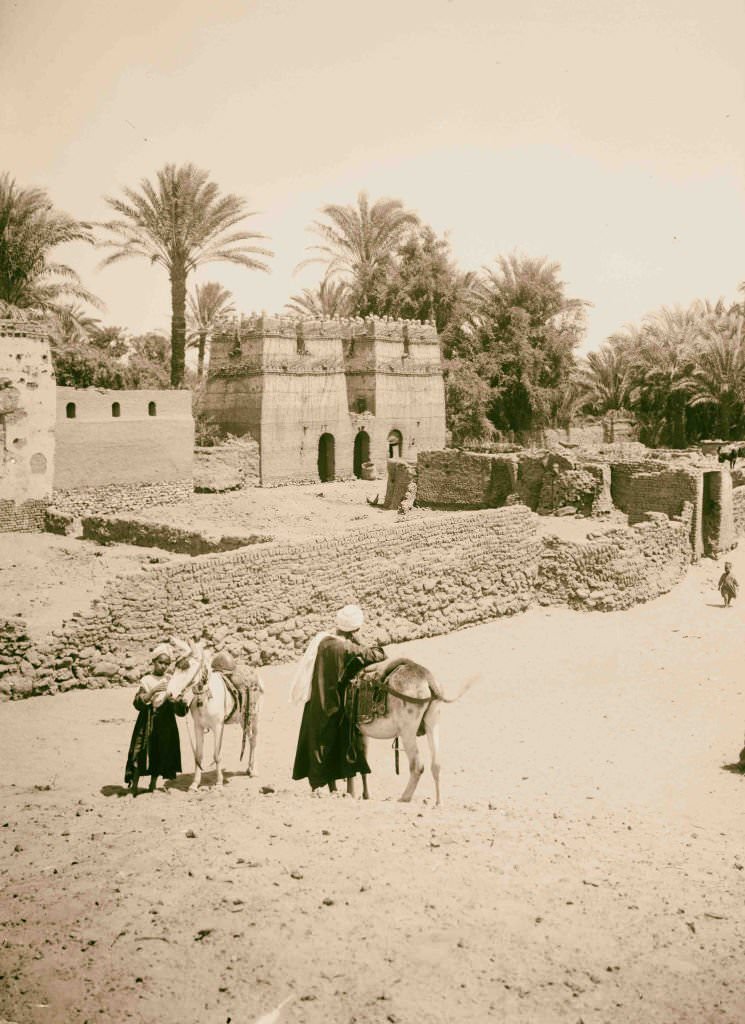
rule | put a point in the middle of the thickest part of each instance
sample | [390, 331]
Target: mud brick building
[325, 397]
[83, 448]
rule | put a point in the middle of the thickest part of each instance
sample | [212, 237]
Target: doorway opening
[326, 458]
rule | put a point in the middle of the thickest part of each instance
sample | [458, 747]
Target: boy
[727, 584]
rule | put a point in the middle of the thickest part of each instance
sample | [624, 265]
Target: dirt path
[588, 865]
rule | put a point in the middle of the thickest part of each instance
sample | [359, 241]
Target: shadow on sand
[738, 768]
[181, 783]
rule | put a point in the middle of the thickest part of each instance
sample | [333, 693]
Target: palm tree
[360, 243]
[604, 379]
[718, 377]
[180, 222]
[330, 298]
[664, 359]
[30, 228]
[206, 303]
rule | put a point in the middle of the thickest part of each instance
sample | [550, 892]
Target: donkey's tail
[463, 690]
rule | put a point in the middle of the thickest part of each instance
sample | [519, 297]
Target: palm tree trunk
[200, 353]
[178, 325]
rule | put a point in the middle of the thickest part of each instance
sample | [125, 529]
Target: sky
[606, 136]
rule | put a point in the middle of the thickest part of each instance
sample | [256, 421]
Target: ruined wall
[618, 568]
[122, 437]
[738, 510]
[419, 579]
[27, 411]
[114, 498]
[423, 578]
[456, 479]
[653, 486]
[718, 521]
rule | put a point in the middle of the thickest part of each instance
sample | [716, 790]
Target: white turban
[349, 618]
[162, 649]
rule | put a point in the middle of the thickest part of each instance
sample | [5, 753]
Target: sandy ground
[44, 578]
[588, 864]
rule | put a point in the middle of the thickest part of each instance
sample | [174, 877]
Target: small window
[152, 409]
[116, 409]
[70, 410]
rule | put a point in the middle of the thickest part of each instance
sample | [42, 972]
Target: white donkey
[212, 704]
[414, 701]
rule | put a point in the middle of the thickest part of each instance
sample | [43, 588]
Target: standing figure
[324, 751]
[154, 748]
[727, 585]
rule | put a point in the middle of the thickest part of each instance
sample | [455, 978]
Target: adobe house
[325, 397]
[83, 447]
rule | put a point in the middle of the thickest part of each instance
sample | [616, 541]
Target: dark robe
[154, 748]
[325, 750]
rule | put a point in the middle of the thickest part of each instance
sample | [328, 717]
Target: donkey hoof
[192, 788]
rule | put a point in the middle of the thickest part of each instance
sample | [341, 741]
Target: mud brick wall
[24, 517]
[114, 498]
[738, 510]
[421, 578]
[718, 523]
[457, 479]
[618, 568]
[144, 534]
[653, 486]
[400, 475]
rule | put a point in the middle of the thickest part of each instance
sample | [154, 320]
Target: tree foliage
[358, 245]
[519, 333]
[180, 222]
[206, 304]
[30, 230]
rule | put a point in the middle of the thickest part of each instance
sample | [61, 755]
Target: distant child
[727, 584]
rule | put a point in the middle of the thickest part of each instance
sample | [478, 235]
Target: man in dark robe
[324, 751]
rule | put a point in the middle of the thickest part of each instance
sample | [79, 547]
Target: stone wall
[144, 534]
[113, 498]
[227, 466]
[23, 517]
[652, 486]
[421, 578]
[27, 396]
[544, 481]
[400, 477]
[618, 568]
[458, 479]
[122, 437]
[738, 510]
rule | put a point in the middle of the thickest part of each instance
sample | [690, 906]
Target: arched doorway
[395, 445]
[326, 458]
[361, 451]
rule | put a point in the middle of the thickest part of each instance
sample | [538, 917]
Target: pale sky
[608, 136]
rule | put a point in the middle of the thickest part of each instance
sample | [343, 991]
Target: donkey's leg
[350, 786]
[416, 765]
[253, 734]
[198, 755]
[217, 733]
[432, 725]
[365, 791]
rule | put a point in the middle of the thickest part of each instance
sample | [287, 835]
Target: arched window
[395, 445]
[70, 410]
[116, 409]
[152, 409]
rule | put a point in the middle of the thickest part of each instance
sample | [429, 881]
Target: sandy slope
[588, 865]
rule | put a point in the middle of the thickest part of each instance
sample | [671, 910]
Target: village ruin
[331, 400]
